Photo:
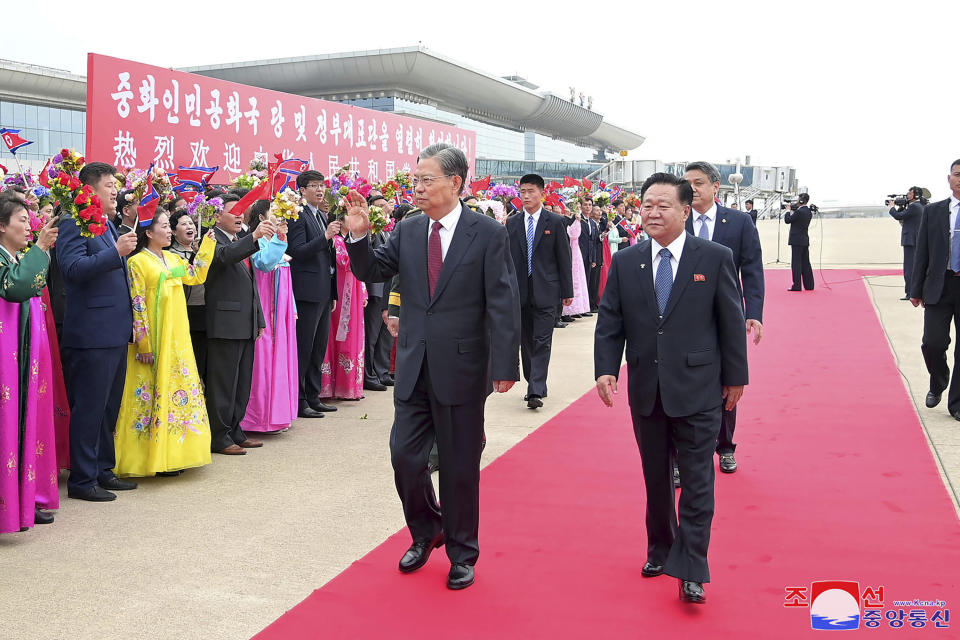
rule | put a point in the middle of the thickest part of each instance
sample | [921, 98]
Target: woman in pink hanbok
[343, 366]
[273, 394]
[581, 293]
[28, 463]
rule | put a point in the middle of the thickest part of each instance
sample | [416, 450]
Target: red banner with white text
[138, 114]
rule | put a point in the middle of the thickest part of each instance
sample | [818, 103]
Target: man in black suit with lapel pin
[588, 240]
[234, 321]
[673, 302]
[799, 241]
[314, 280]
[909, 219]
[458, 341]
[936, 286]
[540, 248]
[736, 231]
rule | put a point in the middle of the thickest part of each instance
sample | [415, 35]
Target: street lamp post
[735, 179]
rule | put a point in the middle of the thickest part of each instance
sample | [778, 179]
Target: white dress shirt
[711, 214]
[675, 247]
[448, 224]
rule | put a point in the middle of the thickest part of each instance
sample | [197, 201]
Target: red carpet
[836, 482]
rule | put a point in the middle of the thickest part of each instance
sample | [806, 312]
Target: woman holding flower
[342, 370]
[274, 390]
[163, 425]
[27, 447]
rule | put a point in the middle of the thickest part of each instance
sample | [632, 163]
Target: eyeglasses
[427, 181]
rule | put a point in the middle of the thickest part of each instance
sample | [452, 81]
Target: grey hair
[706, 168]
[452, 160]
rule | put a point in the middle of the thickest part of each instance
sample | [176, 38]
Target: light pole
[735, 179]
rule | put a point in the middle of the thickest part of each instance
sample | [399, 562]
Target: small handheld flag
[147, 208]
[13, 139]
[286, 172]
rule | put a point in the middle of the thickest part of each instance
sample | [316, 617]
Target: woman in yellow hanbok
[163, 426]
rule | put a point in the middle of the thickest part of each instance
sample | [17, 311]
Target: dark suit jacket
[598, 227]
[552, 271]
[697, 346]
[735, 230]
[932, 257]
[588, 245]
[799, 222]
[230, 292]
[910, 217]
[753, 216]
[469, 331]
[312, 256]
[98, 311]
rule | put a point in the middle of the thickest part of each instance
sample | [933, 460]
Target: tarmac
[222, 551]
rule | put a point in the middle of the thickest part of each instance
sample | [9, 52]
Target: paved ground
[222, 551]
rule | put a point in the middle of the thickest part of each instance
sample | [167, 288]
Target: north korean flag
[286, 172]
[13, 139]
[147, 208]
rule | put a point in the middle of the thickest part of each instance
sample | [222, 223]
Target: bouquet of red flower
[76, 199]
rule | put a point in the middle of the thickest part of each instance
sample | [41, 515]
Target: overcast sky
[860, 97]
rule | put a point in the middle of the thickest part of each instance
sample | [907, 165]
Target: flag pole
[23, 176]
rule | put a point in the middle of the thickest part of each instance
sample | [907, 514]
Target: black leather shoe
[955, 414]
[676, 476]
[42, 517]
[691, 591]
[589, 314]
[93, 494]
[534, 402]
[559, 325]
[651, 570]
[728, 464]
[905, 298]
[369, 385]
[794, 289]
[567, 319]
[307, 412]
[460, 576]
[433, 466]
[387, 381]
[316, 405]
[933, 399]
[116, 484]
[418, 554]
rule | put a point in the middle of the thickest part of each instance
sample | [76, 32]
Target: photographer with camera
[907, 210]
[798, 216]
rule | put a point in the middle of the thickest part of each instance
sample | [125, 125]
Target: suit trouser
[229, 377]
[907, 268]
[458, 430]
[197, 316]
[936, 339]
[313, 332]
[536, 339]
[377, 361]
[681, 546]
[94, 407]
[594, 286]
[800, 265]
[728, 423]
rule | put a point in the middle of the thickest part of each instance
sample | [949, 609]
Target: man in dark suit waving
[540, 248]
[97, 325]
[799, 220]
[673, 302]
[460, 328]
[314, 282]
[234, 321]
[936, 286]
[736, 231]
[909, 219]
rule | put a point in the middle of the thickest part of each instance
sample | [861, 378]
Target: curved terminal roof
[420, 75]
[21, 82]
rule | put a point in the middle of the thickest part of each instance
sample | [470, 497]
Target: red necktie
[246, 261]
[434, 257]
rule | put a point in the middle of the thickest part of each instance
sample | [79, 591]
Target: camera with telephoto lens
[898, 201]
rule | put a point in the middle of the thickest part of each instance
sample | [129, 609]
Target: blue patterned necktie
[664, 280]
[704, 231]
[955, 246]
[530, 230]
